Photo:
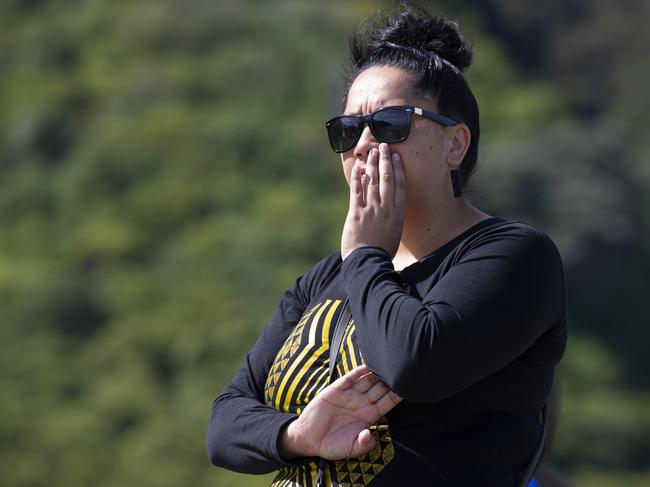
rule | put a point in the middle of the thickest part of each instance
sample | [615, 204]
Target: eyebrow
[375, 110]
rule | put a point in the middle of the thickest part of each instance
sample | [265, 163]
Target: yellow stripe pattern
[299, 372]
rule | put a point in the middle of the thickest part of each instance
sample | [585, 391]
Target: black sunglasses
[388, 124]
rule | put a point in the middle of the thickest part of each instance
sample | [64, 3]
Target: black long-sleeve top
[469, 336]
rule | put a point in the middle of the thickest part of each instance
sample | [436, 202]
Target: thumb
[364, 442]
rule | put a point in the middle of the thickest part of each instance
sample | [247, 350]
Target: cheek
[347, 163]
[420, 170]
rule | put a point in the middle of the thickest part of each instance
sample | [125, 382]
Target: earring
[455, 182]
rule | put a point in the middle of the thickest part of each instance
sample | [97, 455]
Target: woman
[458, 318]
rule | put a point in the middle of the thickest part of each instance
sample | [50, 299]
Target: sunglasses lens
[391, 125]
[344, 132]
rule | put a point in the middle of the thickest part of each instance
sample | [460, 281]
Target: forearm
[395, 332]
[243, 434]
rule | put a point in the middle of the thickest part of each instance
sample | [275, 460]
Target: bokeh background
[165, 175]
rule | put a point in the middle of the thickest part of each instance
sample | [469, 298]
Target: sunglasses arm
[436, 117]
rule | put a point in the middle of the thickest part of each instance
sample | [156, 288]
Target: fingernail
[374, 152]
[396, 157]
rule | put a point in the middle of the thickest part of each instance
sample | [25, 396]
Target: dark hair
[434, 50]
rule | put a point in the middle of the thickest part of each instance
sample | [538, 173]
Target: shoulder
[515, 238]
[513, 253]
[520, 263]
[320, 274]
[297, 298]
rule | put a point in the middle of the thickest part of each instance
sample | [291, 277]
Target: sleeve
[489, 307]
[243, 432]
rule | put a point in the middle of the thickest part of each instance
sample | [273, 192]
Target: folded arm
[243, 432]
[484, 312]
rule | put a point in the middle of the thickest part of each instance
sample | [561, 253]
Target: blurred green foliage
[164, 176]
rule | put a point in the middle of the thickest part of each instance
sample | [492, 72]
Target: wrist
[290, 445]
[348, 252]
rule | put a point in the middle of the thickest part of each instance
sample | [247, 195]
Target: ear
[458, 144]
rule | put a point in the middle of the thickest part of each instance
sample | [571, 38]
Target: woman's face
[425, 153]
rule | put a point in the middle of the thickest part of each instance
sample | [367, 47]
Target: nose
[366, 142]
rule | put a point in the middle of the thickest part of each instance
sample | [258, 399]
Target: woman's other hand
[334, 425]
[377, 195]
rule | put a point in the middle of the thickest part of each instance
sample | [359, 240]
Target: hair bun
[413, 27]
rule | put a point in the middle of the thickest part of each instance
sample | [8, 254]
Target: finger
[356, 190]
[372, 170]
[376, 392]
[400, 180]
[364, 187]
[366, 382]
[386, 178]
[387, 402]
[364, 442]
[351, 377]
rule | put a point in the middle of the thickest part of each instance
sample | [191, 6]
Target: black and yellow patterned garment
[469, 336]
[299, 372]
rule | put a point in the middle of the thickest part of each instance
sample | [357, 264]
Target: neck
[425, 231]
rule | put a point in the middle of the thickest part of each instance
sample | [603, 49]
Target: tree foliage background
[165, 175]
